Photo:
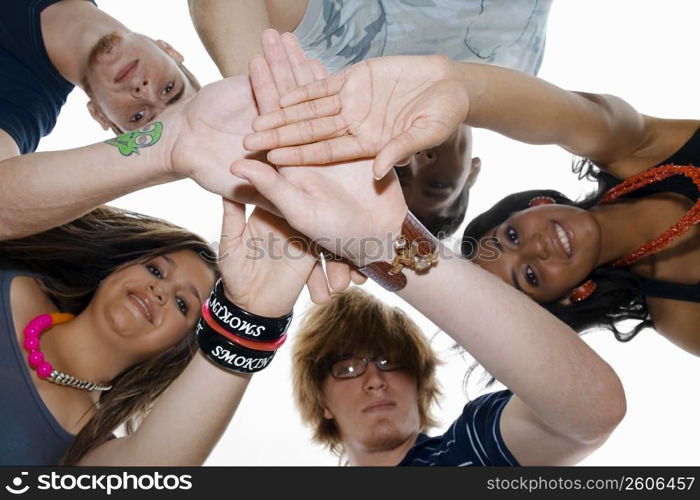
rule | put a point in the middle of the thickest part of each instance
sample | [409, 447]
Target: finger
[403, 162]
[357, 277]
[297, 60]
[320, 88]
[399, 147]
[318, 108]
[318, 69]
[343, 148]
[263, 84]
[276, 57]
[317, 285]
[338, 272]
[305, 132]
[232, 225]
[289, 199]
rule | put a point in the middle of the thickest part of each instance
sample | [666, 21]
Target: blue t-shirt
[474, 439]
[32, 91]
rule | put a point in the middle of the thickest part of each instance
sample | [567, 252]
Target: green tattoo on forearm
[130, 142]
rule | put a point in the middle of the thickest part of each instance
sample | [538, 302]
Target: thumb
[232, 225]
[283, 194]
[233, 220]
[396, 150]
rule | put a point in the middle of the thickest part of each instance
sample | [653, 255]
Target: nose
[158, 293]
[140, 87]
[374, 378]
[425, 158]
[537, 247]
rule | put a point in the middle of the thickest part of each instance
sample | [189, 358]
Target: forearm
[184, 425]
[534, 354]
[531, 110]
[39, 191]
[230, 31]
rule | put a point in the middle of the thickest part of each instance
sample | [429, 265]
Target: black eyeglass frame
[362, 366]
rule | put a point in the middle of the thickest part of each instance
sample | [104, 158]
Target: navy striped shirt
[474, 439]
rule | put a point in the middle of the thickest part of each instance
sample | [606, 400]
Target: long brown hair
[71, 260]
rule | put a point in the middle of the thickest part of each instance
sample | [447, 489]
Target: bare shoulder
[662, 138]
[285, 15]
[678, 321]
[27, 300]
[72, 409]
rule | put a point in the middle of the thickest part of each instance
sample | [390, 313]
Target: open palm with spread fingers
[337, 205]
[388, 107]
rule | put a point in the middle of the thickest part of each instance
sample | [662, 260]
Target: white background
[644, 51]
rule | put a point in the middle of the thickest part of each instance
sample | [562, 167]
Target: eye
[182, 305]
[512, 235]
[531, 277]
[155, 271]
[344, 368]
[137, 117]
[385, 363]
[168, 88]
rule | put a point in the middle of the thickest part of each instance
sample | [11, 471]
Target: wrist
[236, 339]
[169, 161]
[265, 305]
[473, 82]
[413, 249]
[378, 246]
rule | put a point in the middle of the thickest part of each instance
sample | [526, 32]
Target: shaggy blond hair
[355, 321]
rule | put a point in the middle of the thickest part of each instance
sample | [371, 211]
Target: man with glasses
[364, 380]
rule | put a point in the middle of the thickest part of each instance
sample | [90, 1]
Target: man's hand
[210, 138]
[389, 107]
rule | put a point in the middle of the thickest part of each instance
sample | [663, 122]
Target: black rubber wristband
[242, 323]
[228, 355]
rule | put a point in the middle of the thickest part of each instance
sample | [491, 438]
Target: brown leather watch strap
[416, 248]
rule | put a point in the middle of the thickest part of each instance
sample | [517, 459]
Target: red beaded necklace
[681, 227]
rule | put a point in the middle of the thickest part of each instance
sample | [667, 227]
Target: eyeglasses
[355, 367]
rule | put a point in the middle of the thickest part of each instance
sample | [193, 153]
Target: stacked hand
[388, 107]
[340, 206]
[264, 262]
[207, 134]
[210, 130]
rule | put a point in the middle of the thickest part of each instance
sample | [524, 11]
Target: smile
[126, 71]
[143, 304]
[563, 238]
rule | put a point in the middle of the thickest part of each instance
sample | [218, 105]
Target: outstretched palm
[387, 107]
[210, 138]
[338, 203]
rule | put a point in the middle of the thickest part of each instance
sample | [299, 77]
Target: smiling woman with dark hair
[630, 251]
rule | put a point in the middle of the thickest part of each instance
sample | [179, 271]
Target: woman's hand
[388, 107]
[263, 261]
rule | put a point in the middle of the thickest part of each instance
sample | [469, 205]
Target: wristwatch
[415, 248]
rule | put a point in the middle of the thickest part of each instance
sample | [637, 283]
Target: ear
[327, 414]
[98, 115]
[168, 49]
[474, 172]
[565, 301]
